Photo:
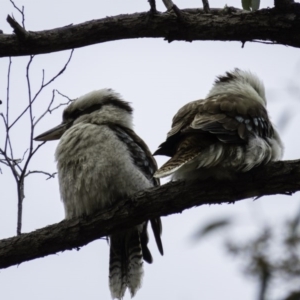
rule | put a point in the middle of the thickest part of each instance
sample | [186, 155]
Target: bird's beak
[52, 134]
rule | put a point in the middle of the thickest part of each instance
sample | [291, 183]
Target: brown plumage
[228, 131]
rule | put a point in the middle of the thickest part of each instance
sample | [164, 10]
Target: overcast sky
[157, 78]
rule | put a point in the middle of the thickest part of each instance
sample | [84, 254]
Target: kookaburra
[227, 132]
[100, 161]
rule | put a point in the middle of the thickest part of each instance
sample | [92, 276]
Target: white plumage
[100, 161]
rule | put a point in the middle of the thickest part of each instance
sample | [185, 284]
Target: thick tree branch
[276, 178]
[222, 25]
[283, 4]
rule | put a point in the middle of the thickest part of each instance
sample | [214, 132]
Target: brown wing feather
[232, 119]
[189, 148]
[149, 171]
[184, 117]
[181, 121]
[223, 118]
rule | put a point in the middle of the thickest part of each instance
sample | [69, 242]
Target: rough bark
[276, 178]
[269, 25]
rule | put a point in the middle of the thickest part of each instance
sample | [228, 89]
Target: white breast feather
[113, 170]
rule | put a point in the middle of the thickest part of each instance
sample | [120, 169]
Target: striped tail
[125, 263]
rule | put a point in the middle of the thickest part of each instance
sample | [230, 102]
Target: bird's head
[97, 107]
[241, 83]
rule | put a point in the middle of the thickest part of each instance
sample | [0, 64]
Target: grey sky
[157, 78]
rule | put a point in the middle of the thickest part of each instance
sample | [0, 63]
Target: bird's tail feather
[135, 262]
[126, 263]
[117, 272]
[175, 163]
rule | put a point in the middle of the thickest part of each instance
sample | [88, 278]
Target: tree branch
[276, 178]
[152, 6]
[283, 4]
[222, 25]
[20, 32]
[206, 6]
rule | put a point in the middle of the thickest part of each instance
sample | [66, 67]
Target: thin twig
[152, 6]
[59, 105]
[18, 29]
[206, 6]
[43, 86]
[15, 162]
[4, 162]
[20, 11]
[47, 110]
[65, 96]
[42, 172]
[50, 109]
[6, 120]
[11, 166]
[7, 138]
[30, 109]
[19, 172]
[177, 11]
[168, 4]
[24, 155]
[171, 6]
[21, 194]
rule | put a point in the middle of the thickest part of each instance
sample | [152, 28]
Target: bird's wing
[180, 122]
[232, 119]
[144, 160]
[223, 118]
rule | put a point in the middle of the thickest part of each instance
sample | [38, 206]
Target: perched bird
[226, 133]
[100, 161]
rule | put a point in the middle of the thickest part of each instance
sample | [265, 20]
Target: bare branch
[69, 99]
[20, 11]
[152, 6]
[229, 25]
[20, 173]
[42, 172]
[54, 77]
[47, 110]
[171, 6]
[15, 162]
[206, 6]
[24, 155]
[43, 85]
[50, 109]
[168, 4]
[30, 111]
[20, 32]
[177, 11]
[6, 120]
[275, 178]
[11, 163]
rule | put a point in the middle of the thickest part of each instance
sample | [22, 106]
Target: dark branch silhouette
[276, 178]
[228, 24]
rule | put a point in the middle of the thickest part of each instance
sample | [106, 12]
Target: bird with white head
[101, 160]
